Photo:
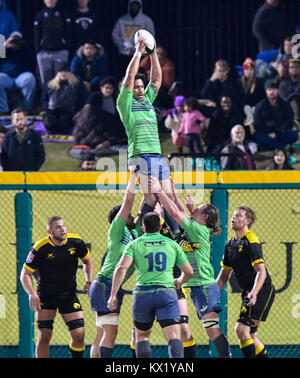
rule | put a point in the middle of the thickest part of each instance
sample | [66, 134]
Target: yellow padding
[259, 349]
[77, 349]
[245, 343]
[189, 343]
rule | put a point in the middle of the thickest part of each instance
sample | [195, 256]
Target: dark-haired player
[122, 230]
[243, 255]
[154, 257]
[55, 259]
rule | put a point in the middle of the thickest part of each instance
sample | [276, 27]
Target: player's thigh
[172, 332]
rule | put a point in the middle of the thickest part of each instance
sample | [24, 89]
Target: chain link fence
[85, 213]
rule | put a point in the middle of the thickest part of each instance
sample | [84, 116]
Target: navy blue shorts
[99, 294]
[154, 301]
[151, 165]
[206, 299]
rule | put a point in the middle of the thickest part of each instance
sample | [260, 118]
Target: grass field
[58, 157]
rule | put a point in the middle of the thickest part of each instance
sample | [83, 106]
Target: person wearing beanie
[273, 120]
[253, 88]
[173, 121]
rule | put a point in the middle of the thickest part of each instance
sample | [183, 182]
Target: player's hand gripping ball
[147, 38]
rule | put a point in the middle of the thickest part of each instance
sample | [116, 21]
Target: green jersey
[199, 257]
[118, 237]
[139, 120]
[154, 257]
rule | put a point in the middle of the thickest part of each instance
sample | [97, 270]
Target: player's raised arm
[133, 66]
[155, 71]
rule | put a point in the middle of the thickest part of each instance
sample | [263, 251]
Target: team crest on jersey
[50, 256]
[29, 258]
[72, 251]
[240, 248]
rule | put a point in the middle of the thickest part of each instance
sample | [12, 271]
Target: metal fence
[276, 200]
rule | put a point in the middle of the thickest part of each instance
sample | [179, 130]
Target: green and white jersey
[154, 257]
[118, 236]
[140, 122]
[199, 258]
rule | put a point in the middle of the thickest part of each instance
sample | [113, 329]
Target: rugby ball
[148, 40]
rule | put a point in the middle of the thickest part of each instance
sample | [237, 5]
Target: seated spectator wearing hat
[173, 121]
[273, 121]
[22, 148]
[65, 97]
[90, 65]
[16, 71]
[241, 151]
[289, 89]
[89, 164]
[252, 86]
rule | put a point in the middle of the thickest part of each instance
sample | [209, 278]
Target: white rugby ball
[148, 40]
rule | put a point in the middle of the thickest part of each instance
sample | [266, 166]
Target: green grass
[58, 157]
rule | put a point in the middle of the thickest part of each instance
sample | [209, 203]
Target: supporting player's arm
[34, 300]
[129, 197]
[261, 275]
[133, 66]
[187, 273]
[118, 277]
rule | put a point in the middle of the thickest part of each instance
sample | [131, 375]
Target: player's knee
[75, 324]
[242, 331]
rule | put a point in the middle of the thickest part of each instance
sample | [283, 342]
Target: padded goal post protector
[23, 211]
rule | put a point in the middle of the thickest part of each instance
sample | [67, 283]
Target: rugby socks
[248, 348]
[261, 352]
[133, 350]
[175, 348]
[222, 346]
[105, 352]
[76, 352]
[189, 349]
[143, 349]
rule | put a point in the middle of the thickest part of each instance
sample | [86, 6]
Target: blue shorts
[206, 299]
[154, 301]
[99, 294]
[151, 165]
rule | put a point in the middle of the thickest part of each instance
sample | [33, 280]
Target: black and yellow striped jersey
[56, 266]
[241, 255]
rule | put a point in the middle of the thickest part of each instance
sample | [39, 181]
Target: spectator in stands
[89, 164]
[271, 25]
[280, 160]
[90, 65]
[8, 23]
[16, 71]
[52, 39]
[164, 99]
[3, 131]
[222, 81]
[192, 125]
[96, 128]
[289, 89]
[173, 122]
[253, 87]
[284, 53]
[273, 120]
[241, 151]
[22, 148]
[85, 25]
[124, 30]
[225, 116]
[107, 89]
[65, 96]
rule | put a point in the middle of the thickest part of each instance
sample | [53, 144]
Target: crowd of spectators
[67, 80]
